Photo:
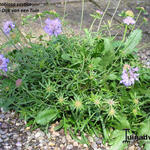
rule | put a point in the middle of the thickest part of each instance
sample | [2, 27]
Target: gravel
[14, 135]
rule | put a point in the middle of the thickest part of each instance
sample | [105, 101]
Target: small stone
[85, 145]
[131, 147]
[56, 134]
[48, 135]
[98, 140]
[56, 148]
[4, 125]
[51, 143]
[90, 139]
[15, 136]
[79, 137]
[18, 144]
[61, 132]
[3, 132]
[27, 128]
[147, 53]
[68, 137]
[61, 145]
[63, 140]
[69, 146]
[39, 134]
[75, 144]
[2, 116]
[94, 145]
[1, 140]
[4, 136]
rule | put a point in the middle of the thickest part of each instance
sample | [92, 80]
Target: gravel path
[14, 135]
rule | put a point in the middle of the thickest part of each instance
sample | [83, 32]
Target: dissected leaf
[122, 122]
[117, 138]
[132, 41]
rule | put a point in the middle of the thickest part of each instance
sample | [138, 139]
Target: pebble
[1, 140]
[51, 144]
[90, 139]
[68, 137]
[94, 145]
[75, 143]
[18, 144]
[39, 134]
[63, 140]
[98, 140]
[69, 146]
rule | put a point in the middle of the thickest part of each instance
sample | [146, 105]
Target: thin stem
[125, 32]
[136, 20]
[115, 12]
[41, 21]
[8, 38]
[140, 25]
[103, 15]
[82, 15]
[107, 29]
[65, 10]
[91, 27]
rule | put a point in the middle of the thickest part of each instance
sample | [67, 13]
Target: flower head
[61, 99]
[129, 13]
[129, 75]
[136, 101]
[8, 26]
[3, 63]
[129, 20]
[112, 112]
[53, 27]
[99, 12]
[18, 82]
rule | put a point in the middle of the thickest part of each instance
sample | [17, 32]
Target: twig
[109, 14]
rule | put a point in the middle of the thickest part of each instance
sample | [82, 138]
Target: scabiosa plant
[3, 63]
[8, 26]
[53, 27]
[129, 20]
[129, 75]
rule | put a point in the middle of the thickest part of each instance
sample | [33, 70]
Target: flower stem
[125, 32]
[103, 15]
[92, 24]
[82, 15]
[136, 20]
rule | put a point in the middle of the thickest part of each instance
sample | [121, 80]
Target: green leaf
[132, 41]
[117, 139]
[122, 122]
[147, 146]
[112, 76]
[46, 116]
[96, 62]
[144, 128]
[66, 56]
[58, 127]
[108, 47]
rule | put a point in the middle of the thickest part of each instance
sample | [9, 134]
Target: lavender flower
[129, 75]
[99, 12]
[8, 26]
[53, 27]
[3, 63]
[129, 20]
